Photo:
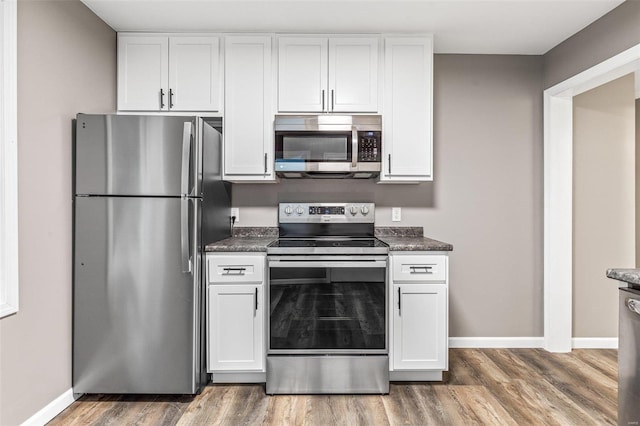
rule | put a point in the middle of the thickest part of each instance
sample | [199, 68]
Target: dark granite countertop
[630, 276]
[246, 239]
[409, 238]
[256, 239]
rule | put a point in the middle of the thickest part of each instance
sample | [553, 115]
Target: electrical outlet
[235, 212]
[396, 214]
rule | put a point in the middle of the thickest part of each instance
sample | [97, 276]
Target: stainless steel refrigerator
[148, 195]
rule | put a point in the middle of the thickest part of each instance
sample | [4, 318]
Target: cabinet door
[236, 328]
[353, 74]
[248, 133]
[407, 129]
[302, 74]
[143, 65]
[420, 327]
[194, 73]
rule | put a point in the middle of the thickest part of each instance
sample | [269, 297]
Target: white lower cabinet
[235, 315]
[419, 327]
[419, 314]
[236, 327]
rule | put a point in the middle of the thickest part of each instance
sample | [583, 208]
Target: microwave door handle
[354, 147]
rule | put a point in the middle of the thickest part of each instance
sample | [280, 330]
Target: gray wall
[615, 32]
[603, 202]
[486, 198]
[66, 64]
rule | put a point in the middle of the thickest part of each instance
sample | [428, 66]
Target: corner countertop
[630, 276]
[256, 239]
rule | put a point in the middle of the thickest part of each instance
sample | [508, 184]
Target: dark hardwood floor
[485, 386]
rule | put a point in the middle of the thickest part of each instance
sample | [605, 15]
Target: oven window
[327, 308]
[325, 148]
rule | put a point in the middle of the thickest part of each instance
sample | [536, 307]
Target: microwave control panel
[369, 146]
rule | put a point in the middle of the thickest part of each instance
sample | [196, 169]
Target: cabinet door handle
[161, 98]
[256, 294]
[322, 100]
[170, 98]
[265, 163]
[389, 163]
[399, 302]
[331, 100]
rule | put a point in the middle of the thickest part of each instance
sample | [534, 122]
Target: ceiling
[528, 27]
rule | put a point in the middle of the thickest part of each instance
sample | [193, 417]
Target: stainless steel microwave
[328, 146]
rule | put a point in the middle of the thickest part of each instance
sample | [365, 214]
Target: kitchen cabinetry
[407, 109]
[168, 73]
[419, 313]
[235, 313]
[248, 132]
[327, 74]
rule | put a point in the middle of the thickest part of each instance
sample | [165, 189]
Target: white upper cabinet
[327, 74]
[194, 73]
[407, 111]
[162, 73]
[248, 121]
[143, 73]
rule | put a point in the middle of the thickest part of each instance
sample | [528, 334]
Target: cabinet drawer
[235, 269]
[419, 268]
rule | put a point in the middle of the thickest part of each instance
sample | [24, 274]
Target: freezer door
[137, 296]
[136, 155]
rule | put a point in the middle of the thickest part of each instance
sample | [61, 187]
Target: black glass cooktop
[360, 242]
[292, 246]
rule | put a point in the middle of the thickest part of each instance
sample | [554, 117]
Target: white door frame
[558, 192]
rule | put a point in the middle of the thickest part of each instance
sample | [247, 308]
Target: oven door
[327, 305]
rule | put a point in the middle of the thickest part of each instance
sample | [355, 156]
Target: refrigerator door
[137, 296]
[216, 219]
[136, 155]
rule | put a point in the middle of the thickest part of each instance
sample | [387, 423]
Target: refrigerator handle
[184, 236]
[186, 151]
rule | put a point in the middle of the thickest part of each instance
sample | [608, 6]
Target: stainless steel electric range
[327, 323]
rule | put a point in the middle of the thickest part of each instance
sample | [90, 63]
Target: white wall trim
[594, 342]
[558, 192]
[51, 410]
[8, 160]
[495, 342]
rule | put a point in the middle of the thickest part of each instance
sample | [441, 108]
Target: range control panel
[326, 212]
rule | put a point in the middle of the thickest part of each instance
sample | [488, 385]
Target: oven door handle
[327, 264]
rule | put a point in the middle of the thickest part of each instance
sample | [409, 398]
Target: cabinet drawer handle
[161, 98]
[399, 302]
[170, 98]
[420, 269]
[322, 101]
[265, 164]
[389, 163]
[331, 100]
[233, 271]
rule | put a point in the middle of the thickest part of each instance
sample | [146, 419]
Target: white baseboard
[594, 342]
[51, 410]
[496, 342]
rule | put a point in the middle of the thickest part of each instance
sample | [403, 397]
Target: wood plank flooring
[484, 387]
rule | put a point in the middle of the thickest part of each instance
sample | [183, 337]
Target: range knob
[353, 210]
[288, 210]
[299, 210]
[365, 210]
